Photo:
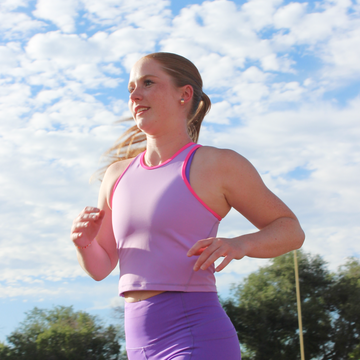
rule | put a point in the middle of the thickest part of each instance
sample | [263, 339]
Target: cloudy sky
[284, 80]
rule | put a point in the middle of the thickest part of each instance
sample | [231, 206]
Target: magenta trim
[142, 162]
[183, 174]
[118, 180]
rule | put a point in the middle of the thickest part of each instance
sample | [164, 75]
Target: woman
[158, 214]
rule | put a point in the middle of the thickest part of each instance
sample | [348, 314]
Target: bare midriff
[134, 296]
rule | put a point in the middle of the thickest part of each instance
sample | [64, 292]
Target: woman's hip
[188, 319]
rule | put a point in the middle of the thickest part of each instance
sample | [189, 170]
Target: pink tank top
[157, 217]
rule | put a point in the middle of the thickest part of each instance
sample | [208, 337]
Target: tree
[263, 310]
[345, 301]
[62, 334]
[5, 351]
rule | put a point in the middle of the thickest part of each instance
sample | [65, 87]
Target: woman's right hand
[86, 226]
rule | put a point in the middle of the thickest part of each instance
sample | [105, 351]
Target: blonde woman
[158, 212]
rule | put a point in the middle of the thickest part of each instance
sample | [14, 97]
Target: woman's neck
[160, 149]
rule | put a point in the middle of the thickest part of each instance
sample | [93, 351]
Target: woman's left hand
[212, 249]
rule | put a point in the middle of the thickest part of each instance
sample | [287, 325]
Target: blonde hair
[183, 72]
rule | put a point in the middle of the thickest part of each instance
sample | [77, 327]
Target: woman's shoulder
[117, 168]
[112, 173]
[216, 150]
[220, 157]
[226, 166]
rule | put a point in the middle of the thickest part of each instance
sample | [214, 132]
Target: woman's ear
[187, 93]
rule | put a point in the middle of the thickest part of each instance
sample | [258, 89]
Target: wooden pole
[299, 306]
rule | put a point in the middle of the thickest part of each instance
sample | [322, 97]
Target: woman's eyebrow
[142, 77]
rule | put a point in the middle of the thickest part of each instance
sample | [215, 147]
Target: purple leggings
[180, 326]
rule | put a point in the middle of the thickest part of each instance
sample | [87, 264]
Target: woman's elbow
[99, 278]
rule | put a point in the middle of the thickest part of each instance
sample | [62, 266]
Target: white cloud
[64, 50]
[342, 54]
[129, 40]
[220, 113]
[289, 15]
[15, 101]
[16, 25]
[234, 37]
[272, 62]
[340, 243]
[46, 97]
[9, 5]
[67, 51]
[9, 57]
[114, 12]
[311, 28]
[259, 13]
[91, 76]
[286, 92]
[111, 69]
[223, 76]
[61, 12]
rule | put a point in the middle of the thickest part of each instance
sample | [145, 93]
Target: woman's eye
[146, 83]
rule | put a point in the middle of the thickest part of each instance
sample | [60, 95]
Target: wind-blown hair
[183, 72]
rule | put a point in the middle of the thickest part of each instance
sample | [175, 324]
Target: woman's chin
[147, 127]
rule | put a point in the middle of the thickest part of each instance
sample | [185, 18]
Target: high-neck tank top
[157, 217]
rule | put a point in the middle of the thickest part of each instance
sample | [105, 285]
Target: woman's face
[154, 100]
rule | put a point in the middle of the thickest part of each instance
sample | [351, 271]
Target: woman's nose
[135, 95]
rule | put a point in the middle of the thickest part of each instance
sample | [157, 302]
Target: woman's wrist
[245, 245]
[85, 246]
[82, 243]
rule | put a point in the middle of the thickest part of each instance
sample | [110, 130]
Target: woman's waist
[140, 295]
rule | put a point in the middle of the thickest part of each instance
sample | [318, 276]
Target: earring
[182, 102]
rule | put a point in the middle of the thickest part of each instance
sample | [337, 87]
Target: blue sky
[284, 79]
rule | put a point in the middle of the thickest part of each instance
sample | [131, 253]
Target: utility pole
[299, 306]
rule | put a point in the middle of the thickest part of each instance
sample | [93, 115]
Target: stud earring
[182, 102]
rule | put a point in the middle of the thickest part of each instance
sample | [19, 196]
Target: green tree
[264, 311]
[5, 351]
[62, 334]
[345, 301]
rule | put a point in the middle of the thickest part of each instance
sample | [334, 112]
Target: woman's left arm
[243, 189]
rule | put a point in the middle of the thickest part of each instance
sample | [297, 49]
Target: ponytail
[195, 121]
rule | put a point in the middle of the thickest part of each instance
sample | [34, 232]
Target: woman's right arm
[92, 231]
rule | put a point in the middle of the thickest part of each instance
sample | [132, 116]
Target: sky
[284, 81]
